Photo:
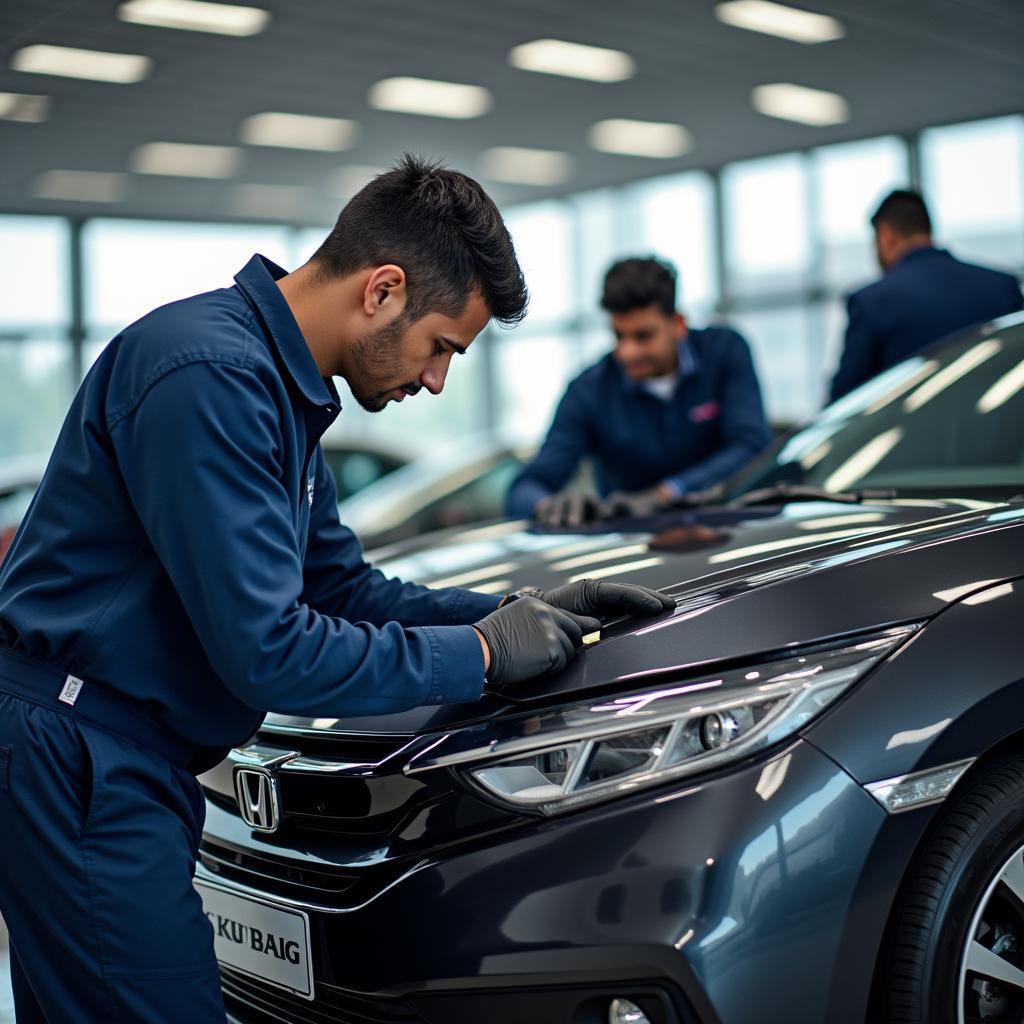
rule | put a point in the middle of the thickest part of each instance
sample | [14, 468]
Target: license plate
[260, 938]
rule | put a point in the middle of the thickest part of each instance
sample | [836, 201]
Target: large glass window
[35, 389]
[788, 361]
[34, 265]
[767, 227]
[542, 234]
[849, 181]
[973, 176]
[677, 221]
[35, 350]
[600, 242]
[531, 374]
[132, 267]
[305, 242]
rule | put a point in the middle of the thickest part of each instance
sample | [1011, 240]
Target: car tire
[965, 883]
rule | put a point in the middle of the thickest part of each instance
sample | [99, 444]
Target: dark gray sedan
[798, 798]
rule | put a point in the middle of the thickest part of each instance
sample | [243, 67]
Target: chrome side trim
[259, 755]
[309, 765]
[918, 789]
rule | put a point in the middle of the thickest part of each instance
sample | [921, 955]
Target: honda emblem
[256, 792]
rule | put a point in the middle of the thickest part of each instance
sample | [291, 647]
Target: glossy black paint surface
[783, 867]
[758, 892]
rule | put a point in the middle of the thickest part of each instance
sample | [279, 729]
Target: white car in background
[463, 483]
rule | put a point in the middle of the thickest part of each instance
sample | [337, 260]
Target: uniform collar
[689, 366]
[258, 280]
[919, 252]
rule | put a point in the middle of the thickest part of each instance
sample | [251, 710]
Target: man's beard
[376, 359]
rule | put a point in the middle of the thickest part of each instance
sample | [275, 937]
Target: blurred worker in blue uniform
[671, 410]
[924, 294]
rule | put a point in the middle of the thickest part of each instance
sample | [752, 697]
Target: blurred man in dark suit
[924, 294]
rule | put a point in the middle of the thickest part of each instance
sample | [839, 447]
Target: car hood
[747, 583]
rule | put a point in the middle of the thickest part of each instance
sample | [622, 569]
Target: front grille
[356, 748]
[273, 875]
[253, 1002]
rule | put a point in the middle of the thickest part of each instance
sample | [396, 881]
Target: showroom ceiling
[899, 67]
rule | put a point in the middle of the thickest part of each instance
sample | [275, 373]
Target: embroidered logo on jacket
[704, 412]
[310, 486]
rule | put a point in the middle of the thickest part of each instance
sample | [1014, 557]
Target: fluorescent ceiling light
[573, 60]
[430, 98]
[521, 166]
[196, 16]
[80, 186]
[69, 62]
[252, 200]
[657, 139]
[300, 131]
[20, 106]
[346, 181]
[791, 102]
[182, 159]
[779, 20]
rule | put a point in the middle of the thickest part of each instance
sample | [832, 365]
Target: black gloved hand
[636, 504]
[567, 508]
[600, 597]
[527, 637]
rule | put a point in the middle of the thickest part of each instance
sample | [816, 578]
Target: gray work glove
[567, 508]
[600, 597]
[636, 504]
[527, 637]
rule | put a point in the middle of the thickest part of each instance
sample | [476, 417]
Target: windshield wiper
[783, 493]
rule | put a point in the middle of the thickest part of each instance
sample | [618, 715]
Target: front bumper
[723, 901]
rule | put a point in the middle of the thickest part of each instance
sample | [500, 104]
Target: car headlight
[554, 760]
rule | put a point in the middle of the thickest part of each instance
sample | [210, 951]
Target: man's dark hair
[442, 229]
[639, 283]
[905, 212]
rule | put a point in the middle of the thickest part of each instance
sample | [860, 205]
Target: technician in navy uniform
[671, 410]
[182, 570]
[925, 294]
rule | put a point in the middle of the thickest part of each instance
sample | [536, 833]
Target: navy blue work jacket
[184, 547]
[920, 299]
[713, 423]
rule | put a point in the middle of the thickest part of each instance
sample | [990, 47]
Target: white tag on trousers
[72, 688]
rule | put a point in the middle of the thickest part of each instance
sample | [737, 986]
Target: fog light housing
[625, 1011]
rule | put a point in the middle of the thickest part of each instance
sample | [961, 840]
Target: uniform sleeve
[744, 431]
[859, 361]
[199, 456]
[568, 440]
[337, 580]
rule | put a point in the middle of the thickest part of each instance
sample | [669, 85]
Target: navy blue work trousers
[98, 841]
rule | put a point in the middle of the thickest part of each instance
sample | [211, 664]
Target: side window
[482, 498]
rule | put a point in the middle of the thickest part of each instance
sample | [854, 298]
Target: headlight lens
[558, 759]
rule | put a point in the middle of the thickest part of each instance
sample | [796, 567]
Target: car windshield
[949, 421]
